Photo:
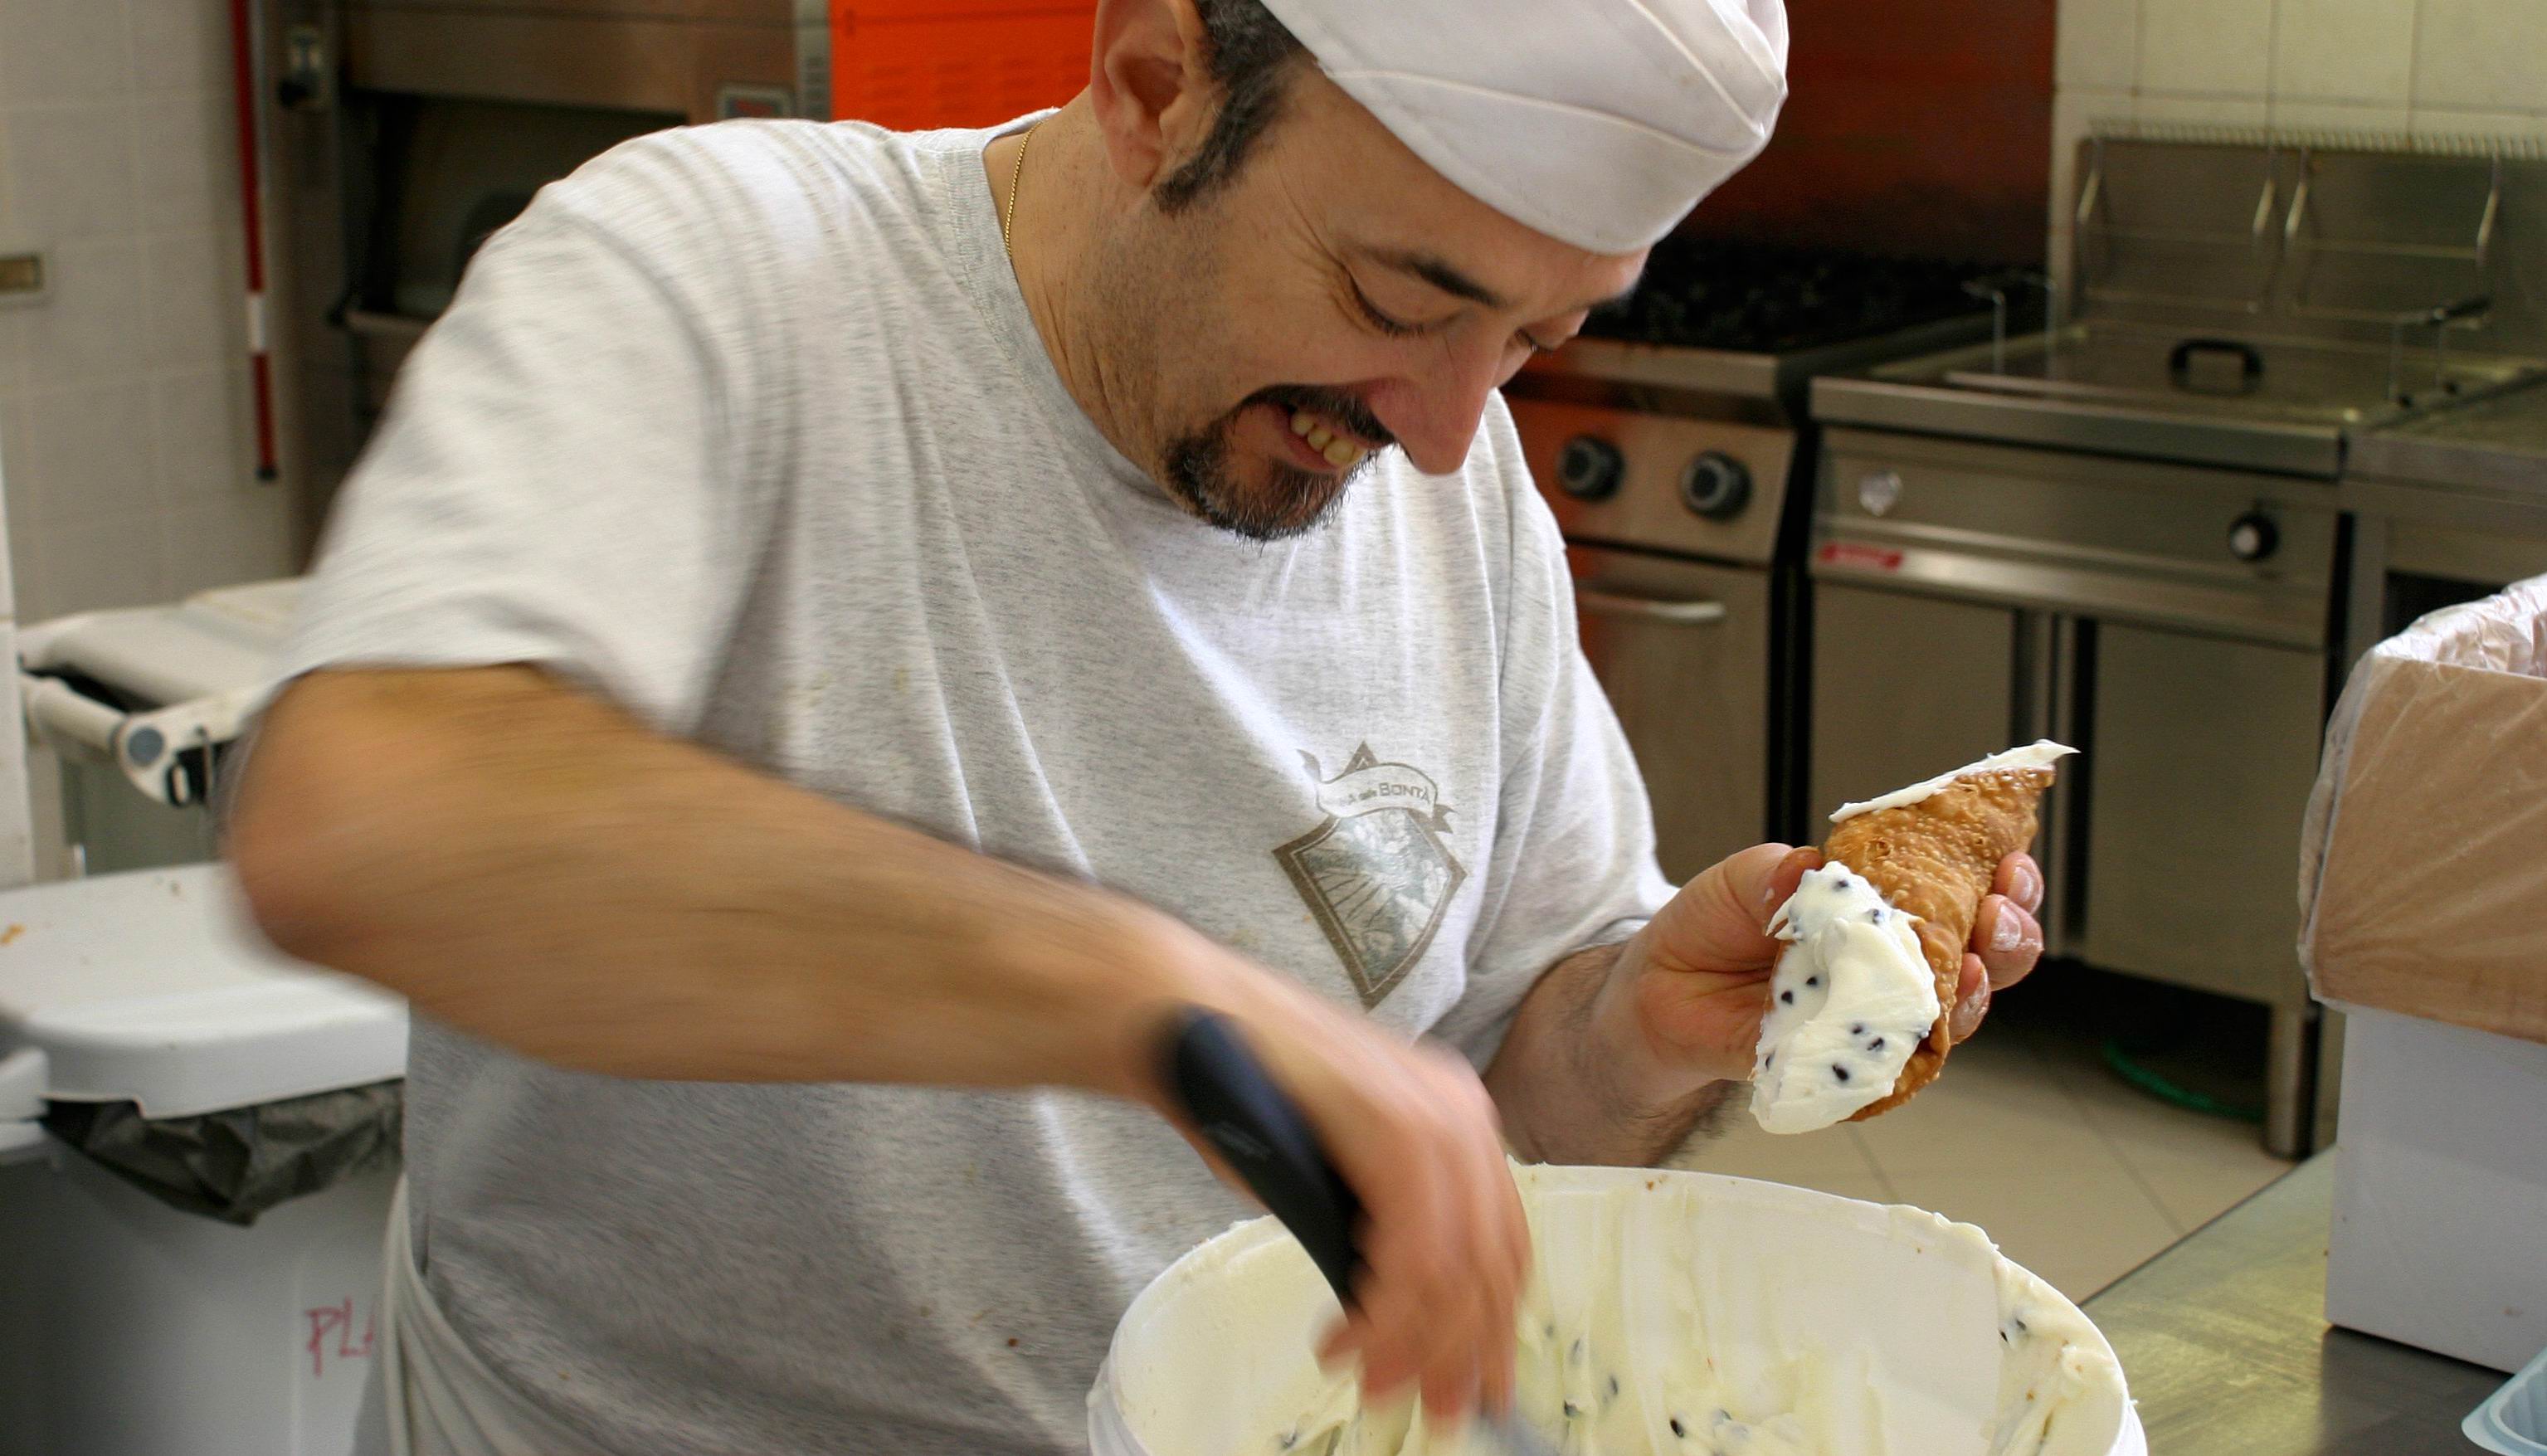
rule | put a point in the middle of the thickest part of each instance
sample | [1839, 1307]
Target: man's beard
[1289, 501]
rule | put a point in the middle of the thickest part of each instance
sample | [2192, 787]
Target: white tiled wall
[127, 438]
[2420, 67]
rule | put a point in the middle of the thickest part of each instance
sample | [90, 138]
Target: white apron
[430, 1395]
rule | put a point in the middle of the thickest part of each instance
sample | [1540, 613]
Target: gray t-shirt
[747, 427]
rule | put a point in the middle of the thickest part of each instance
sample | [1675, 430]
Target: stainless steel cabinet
[2204, 751]
[1903, 687]
[1683, 651]
[2182, 864]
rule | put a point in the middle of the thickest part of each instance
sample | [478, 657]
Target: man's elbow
[287, 830]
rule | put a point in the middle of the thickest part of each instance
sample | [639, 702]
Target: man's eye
[1393, 327]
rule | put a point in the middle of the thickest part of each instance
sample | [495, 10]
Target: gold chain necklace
[1008, 219]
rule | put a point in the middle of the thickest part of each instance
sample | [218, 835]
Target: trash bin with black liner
[198, 1142]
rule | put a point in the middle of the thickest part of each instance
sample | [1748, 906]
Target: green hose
[2168, 1092]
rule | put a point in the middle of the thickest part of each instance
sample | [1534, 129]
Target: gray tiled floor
[2077, 1176]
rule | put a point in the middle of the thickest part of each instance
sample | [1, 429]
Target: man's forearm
[536, 868]
[1574, 1086]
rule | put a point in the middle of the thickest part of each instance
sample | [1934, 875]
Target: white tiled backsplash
[2429, 68]
[126, 437]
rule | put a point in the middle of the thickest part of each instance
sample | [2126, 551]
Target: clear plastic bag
[2423, 855]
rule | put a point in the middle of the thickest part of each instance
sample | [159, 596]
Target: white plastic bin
[131, 1327]
[1925, 1338]
[158, 1331]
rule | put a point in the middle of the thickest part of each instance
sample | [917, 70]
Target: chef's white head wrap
[1600, 122]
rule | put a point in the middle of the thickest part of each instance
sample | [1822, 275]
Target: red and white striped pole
[243, 68]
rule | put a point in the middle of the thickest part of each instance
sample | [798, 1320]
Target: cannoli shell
[1936, 859]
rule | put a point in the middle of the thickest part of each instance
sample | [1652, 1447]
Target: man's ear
[1150, 81]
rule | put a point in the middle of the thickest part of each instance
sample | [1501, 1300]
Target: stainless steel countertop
[2497, 443]
[2225, 1341]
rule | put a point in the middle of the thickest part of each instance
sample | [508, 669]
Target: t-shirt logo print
[1376, 874]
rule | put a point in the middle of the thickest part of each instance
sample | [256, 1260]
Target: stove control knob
[1590, 467]
[2253, 537]
[1715, 485]
[1879, 491]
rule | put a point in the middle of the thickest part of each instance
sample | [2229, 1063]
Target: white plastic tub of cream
[1673, 1313]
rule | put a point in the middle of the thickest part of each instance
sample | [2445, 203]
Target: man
[843, 633]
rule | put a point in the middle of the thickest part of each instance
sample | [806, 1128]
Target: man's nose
[1435, 413]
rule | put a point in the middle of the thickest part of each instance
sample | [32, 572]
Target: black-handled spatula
[1256, 1128]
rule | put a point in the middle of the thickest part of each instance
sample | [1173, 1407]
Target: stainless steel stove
[1673, 444]
[2127, 532]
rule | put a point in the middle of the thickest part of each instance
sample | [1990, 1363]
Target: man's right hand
[1445, 1246]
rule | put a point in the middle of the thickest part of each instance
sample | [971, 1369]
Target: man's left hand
[1688, 991]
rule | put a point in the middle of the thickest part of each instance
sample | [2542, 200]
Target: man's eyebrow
[1450, 280]
[1442, 276]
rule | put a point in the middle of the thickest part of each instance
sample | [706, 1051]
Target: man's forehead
[1400, 213]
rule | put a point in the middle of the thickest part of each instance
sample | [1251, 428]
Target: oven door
[1683, 651]
[405, 132]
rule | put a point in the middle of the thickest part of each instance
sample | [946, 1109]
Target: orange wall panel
[915, 64]
[1921, 128]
